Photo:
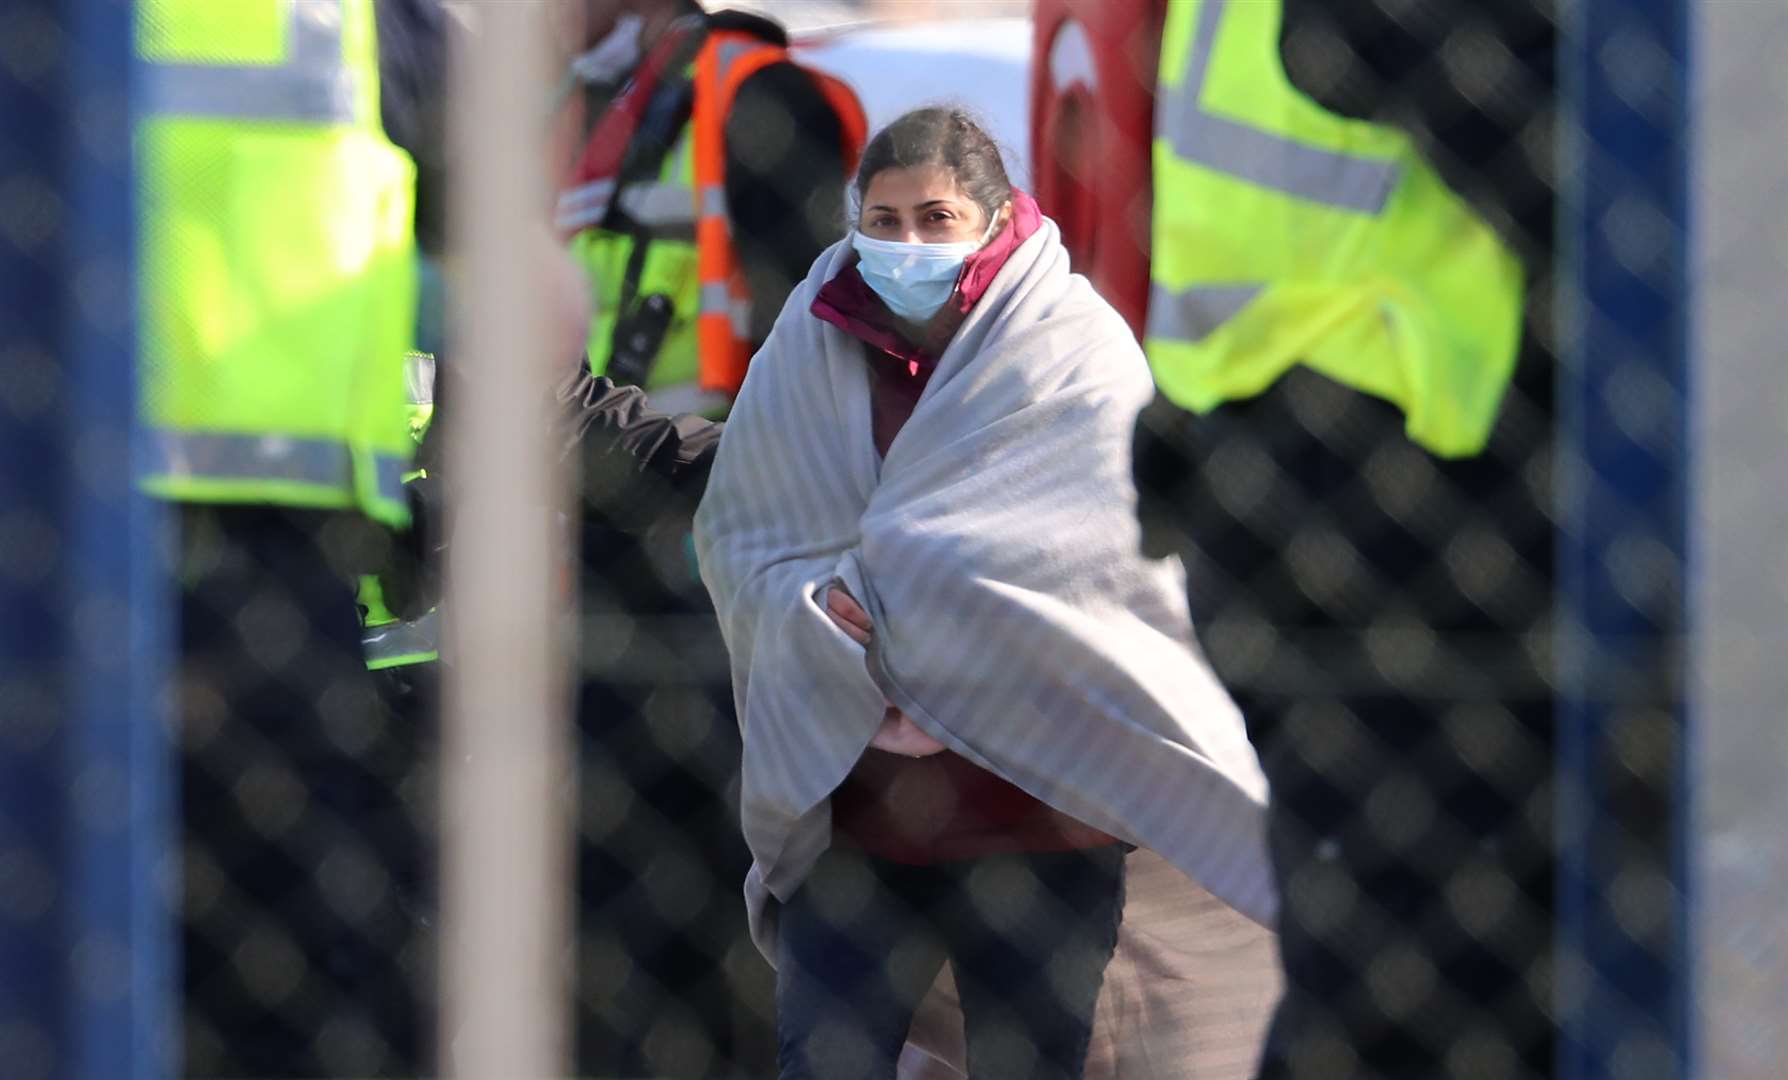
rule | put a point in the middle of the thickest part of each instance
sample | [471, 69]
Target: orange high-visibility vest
[723, 326]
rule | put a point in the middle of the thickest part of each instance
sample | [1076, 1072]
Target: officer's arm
[1163, 460]
[785, 181]
[628, 448]
[638, 467]
[413, 48]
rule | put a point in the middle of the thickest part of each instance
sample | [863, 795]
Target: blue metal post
[86, 863]
[1623, 975]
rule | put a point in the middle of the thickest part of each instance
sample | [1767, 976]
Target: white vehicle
[982, 64]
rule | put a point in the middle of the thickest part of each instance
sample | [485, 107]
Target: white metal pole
[1738, 517]
[506, 836]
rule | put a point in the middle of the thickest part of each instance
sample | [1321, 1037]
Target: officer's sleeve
[410, 578]
[638, 468]
[785, 183]
[635, 461]
[1162, 459]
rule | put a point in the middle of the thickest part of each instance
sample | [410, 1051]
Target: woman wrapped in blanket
[963, 691]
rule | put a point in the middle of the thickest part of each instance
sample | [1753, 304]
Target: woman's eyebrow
[921, 206]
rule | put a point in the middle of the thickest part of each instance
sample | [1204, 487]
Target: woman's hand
[848, 615]
[898, 735]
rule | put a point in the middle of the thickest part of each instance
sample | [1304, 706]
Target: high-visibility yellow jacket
[1284, 234]
[277, 257]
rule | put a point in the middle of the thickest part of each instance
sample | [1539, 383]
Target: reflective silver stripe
[389, 471]
[318, 462]
[414, 640]
[730, 52]
[204, 455]
[419, 378]
[1263, 157]
[648, 204]
[1193, 314]
[584, 205]
[596, 192]
[579, 219]
[313, 85]
[717, 299]
[713, 201]
[686, 398]
[659, 204]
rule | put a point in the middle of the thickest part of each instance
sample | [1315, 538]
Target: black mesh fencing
[1385, 619]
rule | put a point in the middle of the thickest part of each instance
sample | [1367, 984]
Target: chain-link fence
[1399, 630]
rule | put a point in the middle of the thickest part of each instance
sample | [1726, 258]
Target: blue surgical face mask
[914, 280]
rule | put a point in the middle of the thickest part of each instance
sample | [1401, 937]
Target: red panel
[1090, 141]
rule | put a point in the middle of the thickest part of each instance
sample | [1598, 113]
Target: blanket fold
[996, 550]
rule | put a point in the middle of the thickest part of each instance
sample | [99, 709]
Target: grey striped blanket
[996, 550]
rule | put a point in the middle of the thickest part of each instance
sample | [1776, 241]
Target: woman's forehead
[911, 186]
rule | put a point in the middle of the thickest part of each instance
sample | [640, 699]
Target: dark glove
[411, 577]
[639, 467]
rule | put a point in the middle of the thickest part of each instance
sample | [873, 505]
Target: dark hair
[940, 136]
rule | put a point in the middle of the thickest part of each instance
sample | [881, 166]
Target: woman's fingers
[840, 600]
[898, 735]
[921, 744]
[848, 616]
[852, 631]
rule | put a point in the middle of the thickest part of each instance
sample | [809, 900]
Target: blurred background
[1522, 705]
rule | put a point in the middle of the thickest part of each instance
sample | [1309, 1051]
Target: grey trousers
[1189, 993]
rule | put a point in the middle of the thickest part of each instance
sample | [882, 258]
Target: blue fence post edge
[85, 793]
[1622, 976]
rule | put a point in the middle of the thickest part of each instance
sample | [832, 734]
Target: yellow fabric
[278, 271]
[371, 598]
[1415, 301]
[219, 33]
